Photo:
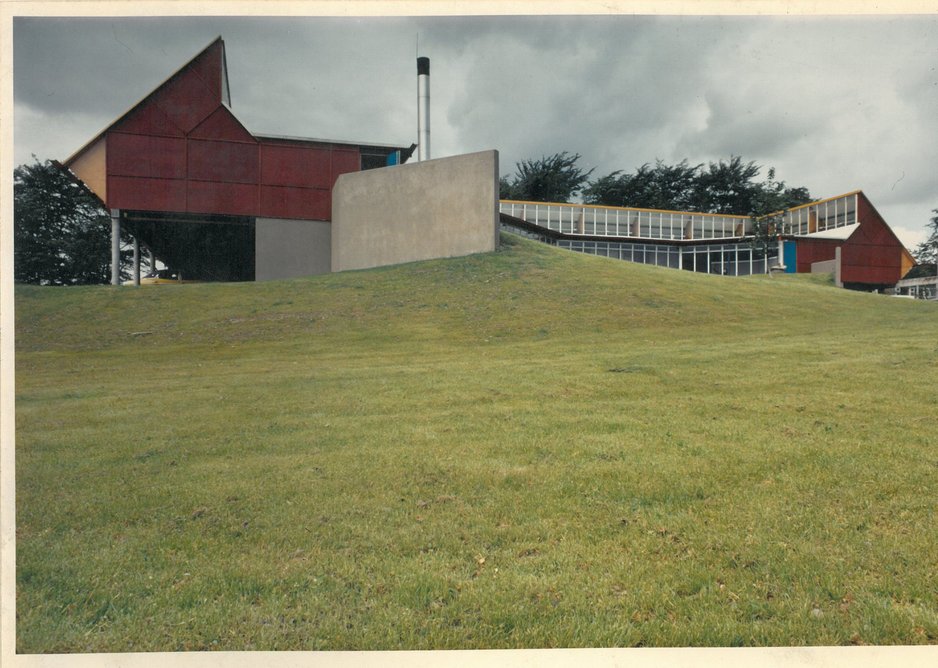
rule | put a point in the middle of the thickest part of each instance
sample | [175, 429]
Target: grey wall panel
[291, 248]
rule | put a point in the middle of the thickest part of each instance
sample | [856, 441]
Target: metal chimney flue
[423, 109]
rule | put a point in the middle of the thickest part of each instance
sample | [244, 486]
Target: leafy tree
[555, 178]
[927, 251]
[727, 187]
[723, 187]
[772, 196]
[659, 187]
[61, 234]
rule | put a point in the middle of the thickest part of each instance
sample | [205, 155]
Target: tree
[727, 187]
[61, 234]
[554, 178]
[659, 187]
[723, 187]
[927, 251]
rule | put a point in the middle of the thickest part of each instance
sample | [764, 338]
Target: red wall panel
[215, 160]
[148, 119]
[344, 161]
[186, 101]
[814, 250]
[295, 166]
[866, 274]
[182, 150]
[146, 194]
[128, 155]
[208, 69]
[222, 124]
[303, 203]
[140, 155]
[168, 157]
[236, 199]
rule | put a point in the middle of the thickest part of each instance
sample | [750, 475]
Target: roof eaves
[316, 140]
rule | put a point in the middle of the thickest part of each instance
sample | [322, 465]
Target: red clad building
[871, 255]
[208, 197]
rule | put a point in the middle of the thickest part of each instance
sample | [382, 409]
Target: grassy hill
[528, 448]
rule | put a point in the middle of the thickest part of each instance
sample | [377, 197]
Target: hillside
[529, 448]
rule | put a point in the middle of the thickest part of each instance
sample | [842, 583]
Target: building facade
[844, 235]
[209, 198]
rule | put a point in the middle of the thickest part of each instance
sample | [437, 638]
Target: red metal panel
[866, 274]
[146, 194]
[141, 155]
[148, 119]
[298, 203]
[871, 256]
[237, 199]
[227, 161]
[283, 165]
[128, 154]
[814, 250]
[344, 161]
[222, 124]
[167, 157]
[208, 67]
[186, 102]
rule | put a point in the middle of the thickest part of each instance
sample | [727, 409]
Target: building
[843, 235]
[210, 199]
[213, 201]
[925, 287]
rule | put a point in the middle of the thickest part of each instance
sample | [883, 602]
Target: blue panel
[394, 158]
[790, 257]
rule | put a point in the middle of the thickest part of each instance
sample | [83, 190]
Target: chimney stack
[423, 109]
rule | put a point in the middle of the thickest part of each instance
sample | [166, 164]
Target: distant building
[843, 235]
[925, 287]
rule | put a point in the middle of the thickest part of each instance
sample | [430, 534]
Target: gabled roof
[209, 89]
[223, 93]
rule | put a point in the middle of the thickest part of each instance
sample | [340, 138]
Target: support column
[115, 247]
[152, 260]
[136, 261]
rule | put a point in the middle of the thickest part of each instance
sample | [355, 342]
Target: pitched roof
[223, 93]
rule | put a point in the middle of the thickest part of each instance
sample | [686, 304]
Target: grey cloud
[621, 91]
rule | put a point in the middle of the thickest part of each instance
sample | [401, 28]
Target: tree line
[727, 186]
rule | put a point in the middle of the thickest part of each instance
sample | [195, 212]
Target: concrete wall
[825, 267]
[438, 208]
[291, 248]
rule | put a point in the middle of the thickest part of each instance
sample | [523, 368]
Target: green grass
[529, 448]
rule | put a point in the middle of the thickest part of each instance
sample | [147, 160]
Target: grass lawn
[529, 448]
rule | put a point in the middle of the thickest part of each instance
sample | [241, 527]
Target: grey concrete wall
[829, 267]
[438, 208]
[291, 248]
[825, 267]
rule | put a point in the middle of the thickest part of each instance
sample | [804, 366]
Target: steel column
[136, 261]
[115, 247]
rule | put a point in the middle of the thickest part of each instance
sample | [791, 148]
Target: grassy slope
[531, 448]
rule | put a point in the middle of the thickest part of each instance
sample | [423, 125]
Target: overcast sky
[834, 104]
